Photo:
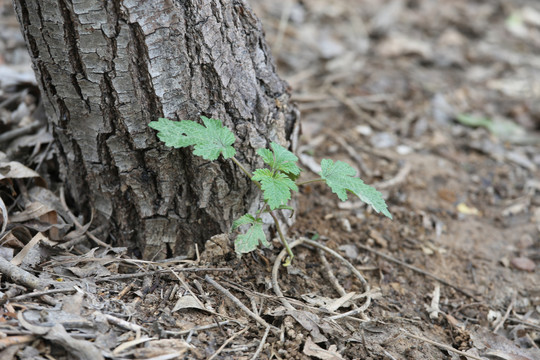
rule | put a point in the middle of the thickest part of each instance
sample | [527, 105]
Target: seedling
[276, 181]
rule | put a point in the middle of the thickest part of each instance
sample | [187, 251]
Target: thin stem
[283, 240]
[249, 175]
[241, 167]
[262, 210]
[310, 181]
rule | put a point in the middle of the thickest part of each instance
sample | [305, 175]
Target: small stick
[342, 259]
[125, 290]
[21, 276]
[389, 355]
[330, 274]
[4, 210]
[68, 244]
[227, 342]
[188, 288]
[341, 290]
[501, 322]
[41, 293]
[354, 311]
[261, 344]
[198, 328]
[12, 134]
[16, 340]
[235, 300]
[396, 180]
[283, 240]
[442, 346]
[143, 274]
[275, 270]
[413, 268]
[519, 321]
[124, 324]
[364, 341]
[301, 241]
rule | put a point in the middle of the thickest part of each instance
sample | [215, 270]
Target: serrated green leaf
[243, 220]
[250, 240]
[280, 159]
[340, 177]
[209, 140]
[276, 187]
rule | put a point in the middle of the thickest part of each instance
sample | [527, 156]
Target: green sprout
[276, 181]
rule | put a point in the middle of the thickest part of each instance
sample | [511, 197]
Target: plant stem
[310, 181]
[249, 175]
[283, 240]
[242, 167]
[262, 210]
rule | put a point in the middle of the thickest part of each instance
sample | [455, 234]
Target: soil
[387, 86]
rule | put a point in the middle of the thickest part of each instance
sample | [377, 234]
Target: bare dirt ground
[436, 103]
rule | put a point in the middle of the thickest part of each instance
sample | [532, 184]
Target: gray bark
[108, 68]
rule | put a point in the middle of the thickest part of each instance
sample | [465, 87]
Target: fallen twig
[389, 355]
[413, 268]
[16, 340]
[330, 274]
[125, 324]
[70, 243]
[353, 312]
[335, 254]
[18, 259]
[440, 345]
[153, 272]
[41, 293]
[275, 270]
[526, 323]
[21, 276]
[301, 241]
[4, 210]
[197, 328]
[503, 319]
[188, 289]
[227, 342]
[12, 134]
[396, 180]
[261, 344]
[337, 286]
[235, 300]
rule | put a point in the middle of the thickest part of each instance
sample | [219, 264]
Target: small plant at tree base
[276, 181]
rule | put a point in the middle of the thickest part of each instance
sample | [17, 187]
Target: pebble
[345, 225]
[523, 263]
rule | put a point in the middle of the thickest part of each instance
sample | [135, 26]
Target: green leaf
[280, 159]
[210, 140]
[276, 187]
[340, 177]
[243, 220]
[250, 240]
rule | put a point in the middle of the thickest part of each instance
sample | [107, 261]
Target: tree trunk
[108, 68]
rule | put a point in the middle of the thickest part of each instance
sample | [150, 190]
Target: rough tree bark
[108, 68]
